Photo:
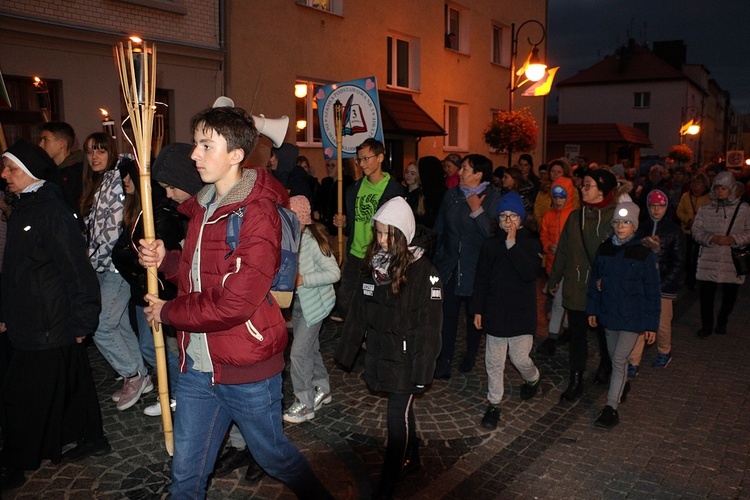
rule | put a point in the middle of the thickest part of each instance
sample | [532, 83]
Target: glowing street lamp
[692, 126]
[534, 69]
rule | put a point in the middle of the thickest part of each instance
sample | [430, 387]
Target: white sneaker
[321, 398]
[298, 413]
[154, 410]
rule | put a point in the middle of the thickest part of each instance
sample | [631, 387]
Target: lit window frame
[312, 128]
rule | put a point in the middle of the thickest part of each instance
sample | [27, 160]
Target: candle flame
[104, 112]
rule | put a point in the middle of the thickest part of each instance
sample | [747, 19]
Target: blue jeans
[202, 418]
[114, 336]
[146, 343]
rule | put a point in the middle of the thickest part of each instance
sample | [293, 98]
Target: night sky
[717, 33]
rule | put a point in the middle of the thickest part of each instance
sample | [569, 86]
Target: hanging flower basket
[513, 131]
[681, 153]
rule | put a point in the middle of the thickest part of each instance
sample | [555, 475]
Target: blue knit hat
[559, 192]
[511, 202]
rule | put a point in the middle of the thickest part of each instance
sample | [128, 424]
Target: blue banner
[361, 115]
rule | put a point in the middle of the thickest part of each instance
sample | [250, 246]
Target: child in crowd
[397, 304]
[317, 272]
[553, 221]
[624, 295]
[504, 302]
[665, 238]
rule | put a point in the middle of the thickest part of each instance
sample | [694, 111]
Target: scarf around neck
[467, 191]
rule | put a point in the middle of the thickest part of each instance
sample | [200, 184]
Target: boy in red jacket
[231, 332]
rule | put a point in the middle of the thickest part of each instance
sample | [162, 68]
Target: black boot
[575, 387]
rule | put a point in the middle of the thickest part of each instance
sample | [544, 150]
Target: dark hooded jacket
[402, 333]
[505, 284]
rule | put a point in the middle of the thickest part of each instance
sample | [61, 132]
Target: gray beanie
[627, 210]
[396, 212]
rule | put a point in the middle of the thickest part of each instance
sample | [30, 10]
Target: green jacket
[573, 260]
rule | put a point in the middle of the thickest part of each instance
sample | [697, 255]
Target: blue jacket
[630, 296]
[461, 235]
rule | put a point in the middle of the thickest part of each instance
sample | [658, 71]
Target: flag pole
[338, 110]
[137, 69]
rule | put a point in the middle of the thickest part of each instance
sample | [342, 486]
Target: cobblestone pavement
[683, 433]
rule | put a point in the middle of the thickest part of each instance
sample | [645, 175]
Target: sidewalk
[683, 433]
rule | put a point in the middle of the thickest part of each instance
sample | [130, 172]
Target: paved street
[684, 433]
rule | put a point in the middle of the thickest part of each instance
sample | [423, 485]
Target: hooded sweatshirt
[553, 221]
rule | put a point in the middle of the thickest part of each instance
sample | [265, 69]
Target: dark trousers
[401, 435]
[451, 311]
[578, 326]
[708, 296]
[349, 277]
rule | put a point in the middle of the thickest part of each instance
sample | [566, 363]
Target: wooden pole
[141, 107]
[338, 110]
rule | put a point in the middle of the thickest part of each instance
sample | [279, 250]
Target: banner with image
[361, 115]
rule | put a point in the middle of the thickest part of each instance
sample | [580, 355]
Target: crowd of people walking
[610, 251]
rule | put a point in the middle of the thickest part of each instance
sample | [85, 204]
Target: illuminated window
[306, 113]
[332, 6]
[403, 62]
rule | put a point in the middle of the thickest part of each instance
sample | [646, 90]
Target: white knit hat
[396, 212]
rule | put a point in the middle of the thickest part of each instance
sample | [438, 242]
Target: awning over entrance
[597, 132]
[401, 115]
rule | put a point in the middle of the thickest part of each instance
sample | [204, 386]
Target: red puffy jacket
[245, 331]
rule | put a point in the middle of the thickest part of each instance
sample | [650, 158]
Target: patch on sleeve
[368, 289]
[434, 279]
[436, 294]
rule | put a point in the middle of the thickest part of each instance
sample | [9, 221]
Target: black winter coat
[505, 284]
[169, 228]
[402, 333]
[671, 252]
[50, 291]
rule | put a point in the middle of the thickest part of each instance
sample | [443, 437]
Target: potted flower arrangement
[681, 153]
[512, 131]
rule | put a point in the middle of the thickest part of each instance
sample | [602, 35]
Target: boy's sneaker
[608, 418]
[154, 410]
[298, 413]
[662, 360]
[491, 417]
[118, 393]
[132, 390]
[529, 389]
[632, 371]
[321, 398]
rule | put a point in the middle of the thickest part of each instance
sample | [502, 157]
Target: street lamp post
[535, 69]
[692, 126]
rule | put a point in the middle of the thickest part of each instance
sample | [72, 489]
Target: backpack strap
[234, 222]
